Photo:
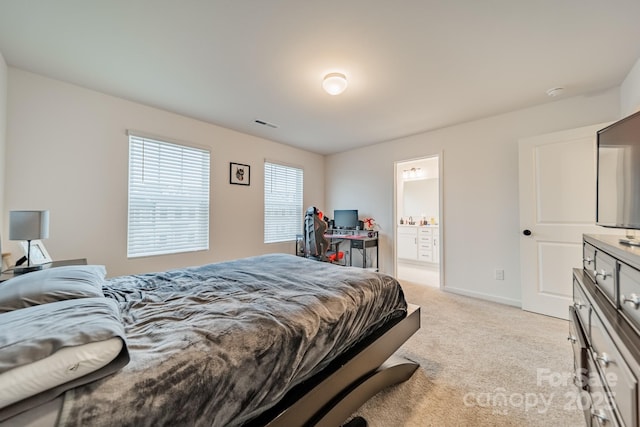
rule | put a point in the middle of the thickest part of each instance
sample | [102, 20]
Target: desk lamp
[28, 225]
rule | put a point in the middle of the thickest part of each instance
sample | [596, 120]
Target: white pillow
[50, 348]
[67, 364]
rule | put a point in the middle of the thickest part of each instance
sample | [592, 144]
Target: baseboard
[480, 295]
[435, 266]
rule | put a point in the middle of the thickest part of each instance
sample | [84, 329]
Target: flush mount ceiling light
[334, 83]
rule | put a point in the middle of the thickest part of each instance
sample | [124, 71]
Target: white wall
[67, 152]
[480, 179]
[3, 140]
[630, 91]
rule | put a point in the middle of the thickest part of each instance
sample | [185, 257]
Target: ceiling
[412, 65]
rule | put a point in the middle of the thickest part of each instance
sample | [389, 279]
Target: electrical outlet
[499, 274]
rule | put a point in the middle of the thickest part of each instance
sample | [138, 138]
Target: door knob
[527, 232]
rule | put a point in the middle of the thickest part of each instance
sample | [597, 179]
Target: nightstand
[80, 261]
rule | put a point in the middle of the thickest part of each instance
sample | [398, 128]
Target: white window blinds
[282, 202]
[168, 198]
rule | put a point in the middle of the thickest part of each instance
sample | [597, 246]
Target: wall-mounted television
[345, 218]
[618, 174]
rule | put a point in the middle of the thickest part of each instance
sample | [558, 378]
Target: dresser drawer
[601, 410]
[580, 353]
[425, 232]
[407, 231]
[616, 374]
[588, 259]
[425, 241]
[426, 256]
[582, 308]
[605, 277]
[629, 285]
[424, 247]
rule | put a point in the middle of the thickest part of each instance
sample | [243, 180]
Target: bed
[274, 340]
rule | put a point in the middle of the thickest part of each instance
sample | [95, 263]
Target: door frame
[441, 233]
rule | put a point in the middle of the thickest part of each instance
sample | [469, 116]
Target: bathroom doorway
[418, 228]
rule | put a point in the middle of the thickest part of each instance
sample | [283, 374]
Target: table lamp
[28, 225]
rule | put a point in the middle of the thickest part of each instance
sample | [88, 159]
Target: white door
[557, 205]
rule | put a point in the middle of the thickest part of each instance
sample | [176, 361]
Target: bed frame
[326, 399]
[330, 397]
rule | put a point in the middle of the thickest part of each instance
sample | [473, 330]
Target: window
[168, 198]
[282, 202]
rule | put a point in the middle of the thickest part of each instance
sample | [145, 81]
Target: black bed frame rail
[330, 397]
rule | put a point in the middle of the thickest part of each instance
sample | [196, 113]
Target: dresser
[604, 331]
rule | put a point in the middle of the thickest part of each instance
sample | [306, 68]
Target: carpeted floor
[481, 364]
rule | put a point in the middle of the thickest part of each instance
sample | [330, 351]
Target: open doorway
[418, 248]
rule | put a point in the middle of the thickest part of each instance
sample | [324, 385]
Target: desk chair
[316, 246]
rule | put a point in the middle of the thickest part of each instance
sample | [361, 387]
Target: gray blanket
[221, 343]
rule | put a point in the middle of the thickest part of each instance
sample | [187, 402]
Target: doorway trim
[396, 165]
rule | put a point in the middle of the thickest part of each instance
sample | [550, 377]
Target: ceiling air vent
[263, 123]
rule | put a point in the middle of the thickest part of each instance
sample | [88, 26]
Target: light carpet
[481, 364]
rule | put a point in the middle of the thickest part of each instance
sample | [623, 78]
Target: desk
[357, 240]
[81, 261]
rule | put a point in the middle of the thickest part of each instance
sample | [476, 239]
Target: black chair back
[315, 244]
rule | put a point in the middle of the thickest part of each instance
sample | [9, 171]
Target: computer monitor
[345, 218]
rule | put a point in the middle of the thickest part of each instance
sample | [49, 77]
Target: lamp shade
[28, 225]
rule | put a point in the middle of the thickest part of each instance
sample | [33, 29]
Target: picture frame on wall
[39, 254]
[239, 174]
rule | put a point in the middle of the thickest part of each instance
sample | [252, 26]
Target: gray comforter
[219, 344]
